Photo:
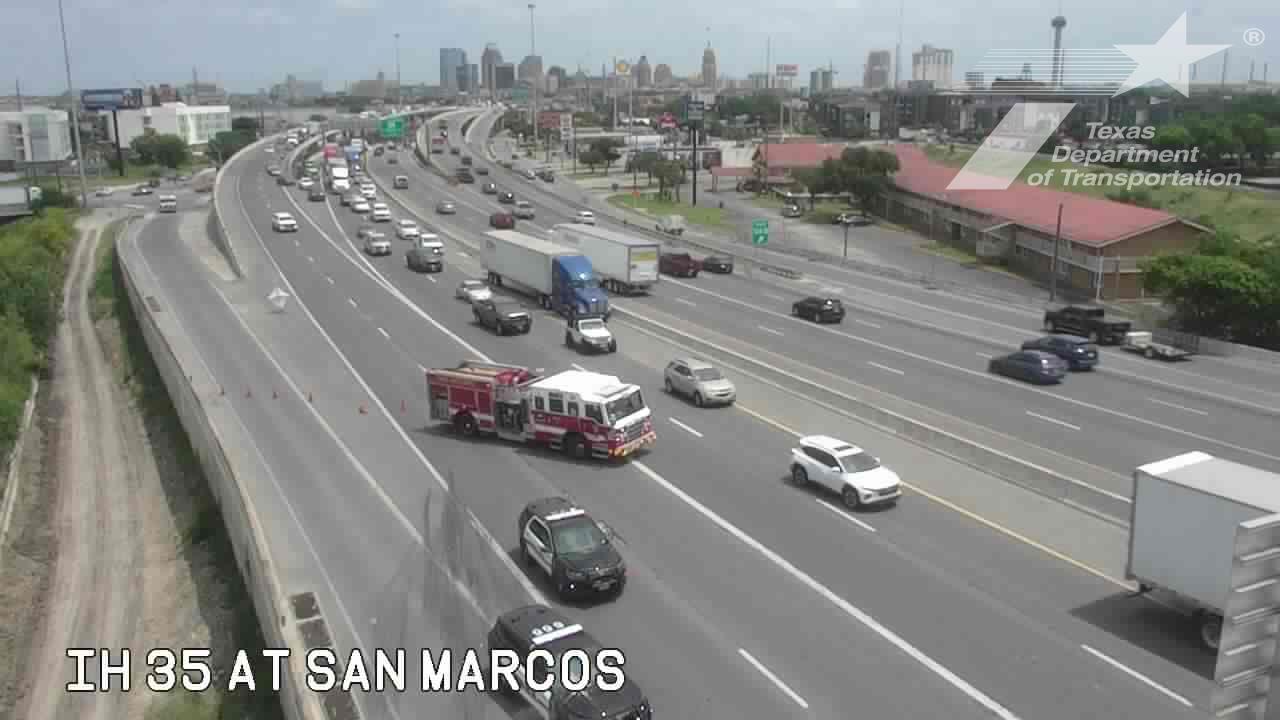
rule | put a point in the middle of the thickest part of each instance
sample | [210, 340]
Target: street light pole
[1053, 269]
[846, 239]
[75, 115]
[399, 87]
[533, 108]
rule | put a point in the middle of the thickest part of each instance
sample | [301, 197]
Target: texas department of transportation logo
[1099, 72]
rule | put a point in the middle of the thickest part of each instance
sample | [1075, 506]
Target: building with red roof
[1101, 241]
[781, 159]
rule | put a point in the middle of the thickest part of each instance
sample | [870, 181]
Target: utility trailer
[1201, 539]
[625, 264]
[1163, 344]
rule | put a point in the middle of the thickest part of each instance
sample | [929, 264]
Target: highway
[944, 613]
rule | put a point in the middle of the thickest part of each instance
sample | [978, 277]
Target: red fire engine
[582, 413]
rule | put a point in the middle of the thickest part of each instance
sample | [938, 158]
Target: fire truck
[583, 414]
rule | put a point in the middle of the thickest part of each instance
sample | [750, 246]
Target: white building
[196, 124]
[34, 134]
[934, 65]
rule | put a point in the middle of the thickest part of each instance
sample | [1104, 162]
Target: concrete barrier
[217, 230]
[1107, 506]
[176, 361]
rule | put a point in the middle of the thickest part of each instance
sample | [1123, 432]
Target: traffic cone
[403, 407]
[248, 392]
[274, 395]
[309, 398]
[363, 409]
[222, 390]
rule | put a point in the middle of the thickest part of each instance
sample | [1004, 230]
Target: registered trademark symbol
[1254, 37]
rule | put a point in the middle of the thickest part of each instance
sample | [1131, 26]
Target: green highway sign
[759, 232]
[392, 127]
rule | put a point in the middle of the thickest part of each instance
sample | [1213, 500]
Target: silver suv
[698, 380]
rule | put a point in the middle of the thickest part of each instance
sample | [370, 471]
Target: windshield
[707, 374]
[859, 462]
[624, 406]
[579, 535]
[584, 284]
[591, 325]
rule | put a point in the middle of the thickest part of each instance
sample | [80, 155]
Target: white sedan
[361, 206]
[306, 183]
[473, 291]
[407, 230]
[283, 222]
[381, 213]
[835, 465]
[585, 217]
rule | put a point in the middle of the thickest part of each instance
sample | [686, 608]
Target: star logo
[1167, 60]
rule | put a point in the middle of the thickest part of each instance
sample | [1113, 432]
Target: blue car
[1031, 365]
[1078, 352]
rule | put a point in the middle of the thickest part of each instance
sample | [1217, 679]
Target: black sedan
[1078, 352]
[819, 310]
[316, 194]
[718, 264]
[507, 198]
[1031, 365]
[504, 318]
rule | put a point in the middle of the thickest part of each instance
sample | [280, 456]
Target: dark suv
[679, 264]
[1079, 353]
[575, 552]
[538, 627]
[504, 318]
[819, 309]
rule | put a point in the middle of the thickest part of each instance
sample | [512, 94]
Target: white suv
[836, 465]
[283, 222]
[381, 213]
[369, 190]
[585, 217]
[523, 210]
[407, 230]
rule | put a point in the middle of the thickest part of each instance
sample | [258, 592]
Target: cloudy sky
[250, 44]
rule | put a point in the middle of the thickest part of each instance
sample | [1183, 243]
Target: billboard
[111, 99]
[788, 70]
[549, 120]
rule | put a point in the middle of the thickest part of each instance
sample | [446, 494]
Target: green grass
[1250, 215]
[824, 212]
[948, 251]
[650, 204]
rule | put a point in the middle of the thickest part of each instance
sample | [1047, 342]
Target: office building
[489, 59]
[877, 72]
[34, 134]
[821, 80]
[450, 60]
[504, 76]
[975, 80]
[709, 73]
[196, 125]
[199, 93]
[932, 64]
[662, 74]
[531, 70]
[642, 73]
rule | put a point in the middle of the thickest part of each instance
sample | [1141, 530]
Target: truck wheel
[1210, 630]
[697, 399]
[497, 328]
[799, 477]
[669, 388]
[568, 340]
[850, 498]
[465, 424]
[575, 448]
[1149, 353]
[1093, 337]
[613, 346]
[525, 555]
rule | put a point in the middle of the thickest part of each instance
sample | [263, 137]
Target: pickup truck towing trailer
[561, 279]
[1086, 322]
[1194, 541]
[1163, 344]
[625, 263]
[584, 414]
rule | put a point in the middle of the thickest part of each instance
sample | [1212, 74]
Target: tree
[1217, 295]
[317, 117]
[862, 171]
[226, 144]
[170, 151]
[645, 161]
[608, 150]
[591, 158]
[247, 125]
[671, 175]
[1252, 132]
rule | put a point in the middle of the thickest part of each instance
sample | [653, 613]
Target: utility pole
[533, 51]
[17, 86]
[399, 87]
[1053, 269]
[75, 113]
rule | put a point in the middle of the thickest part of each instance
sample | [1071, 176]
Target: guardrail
[226, 471]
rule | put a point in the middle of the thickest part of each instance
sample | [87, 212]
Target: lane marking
[857, 614]
[463, 253]
[886, 368]
[384, 333]
[684, 427]
[844, 515]
[422, 368]
[353, 302]
[770, 330]
[431, 278]
[577, 367]
[686, 302]
[985, 356]
[1055, 421]
[312, 259]
[296, 243]
[329, 278]
[779, 298]
[1137, 675]
[1178, 407]
[868, 323]
[774, 679]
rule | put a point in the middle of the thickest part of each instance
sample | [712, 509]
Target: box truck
[561, 279]
[624, 263]
[1197, 541]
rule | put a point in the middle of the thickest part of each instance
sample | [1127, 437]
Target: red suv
[502, 221]
[681, 264]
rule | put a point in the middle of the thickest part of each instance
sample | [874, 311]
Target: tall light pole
[533, 108]
[399, 87]
[75, 115]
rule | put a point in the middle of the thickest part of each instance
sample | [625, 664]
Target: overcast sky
[245, 45]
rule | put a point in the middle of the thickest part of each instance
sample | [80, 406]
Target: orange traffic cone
[274, 395]
[309, 398]
[248, 392]
[403, 408]
[363, 410]
[222, 390]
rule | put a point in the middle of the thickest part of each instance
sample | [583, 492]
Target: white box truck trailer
[561, 279]
[1189, 539]
[625, 264]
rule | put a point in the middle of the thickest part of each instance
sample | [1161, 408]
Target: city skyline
[807, 38]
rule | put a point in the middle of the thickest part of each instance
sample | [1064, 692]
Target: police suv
[538, 627]
[575, 551]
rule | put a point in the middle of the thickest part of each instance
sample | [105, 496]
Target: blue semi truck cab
[575, 288]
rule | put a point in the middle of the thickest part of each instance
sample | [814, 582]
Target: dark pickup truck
[679, 264]
[1086, 322]
[504, 318]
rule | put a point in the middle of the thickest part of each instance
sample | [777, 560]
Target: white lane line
[886, 368]
[1055, 421]
[311, 258]
[384, 333]
[868, 323]
[329, 278]
[1178, 407]
[686, 302]
[985, 356]
[353, 303]
[1137, 675]
[804, 578]
[684, 427]
[577, 367]
[422, 368]
[845, 515]
[770, 330]
[297, 244]
[779, 298]
[463, 253]
[431, 278]
[773, 678]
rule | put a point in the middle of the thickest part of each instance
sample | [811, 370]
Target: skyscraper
[450, 60]
[490, 58]
[531, 69]
[876, 74]
[662, 74]
[709, 74]
[932, 64]
[642, 73]
[504, 76]
[820, 81]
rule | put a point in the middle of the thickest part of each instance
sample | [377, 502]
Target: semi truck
[584, 414]
[1198, 541]
[625, 264]
[561, 279]
[338, 173]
